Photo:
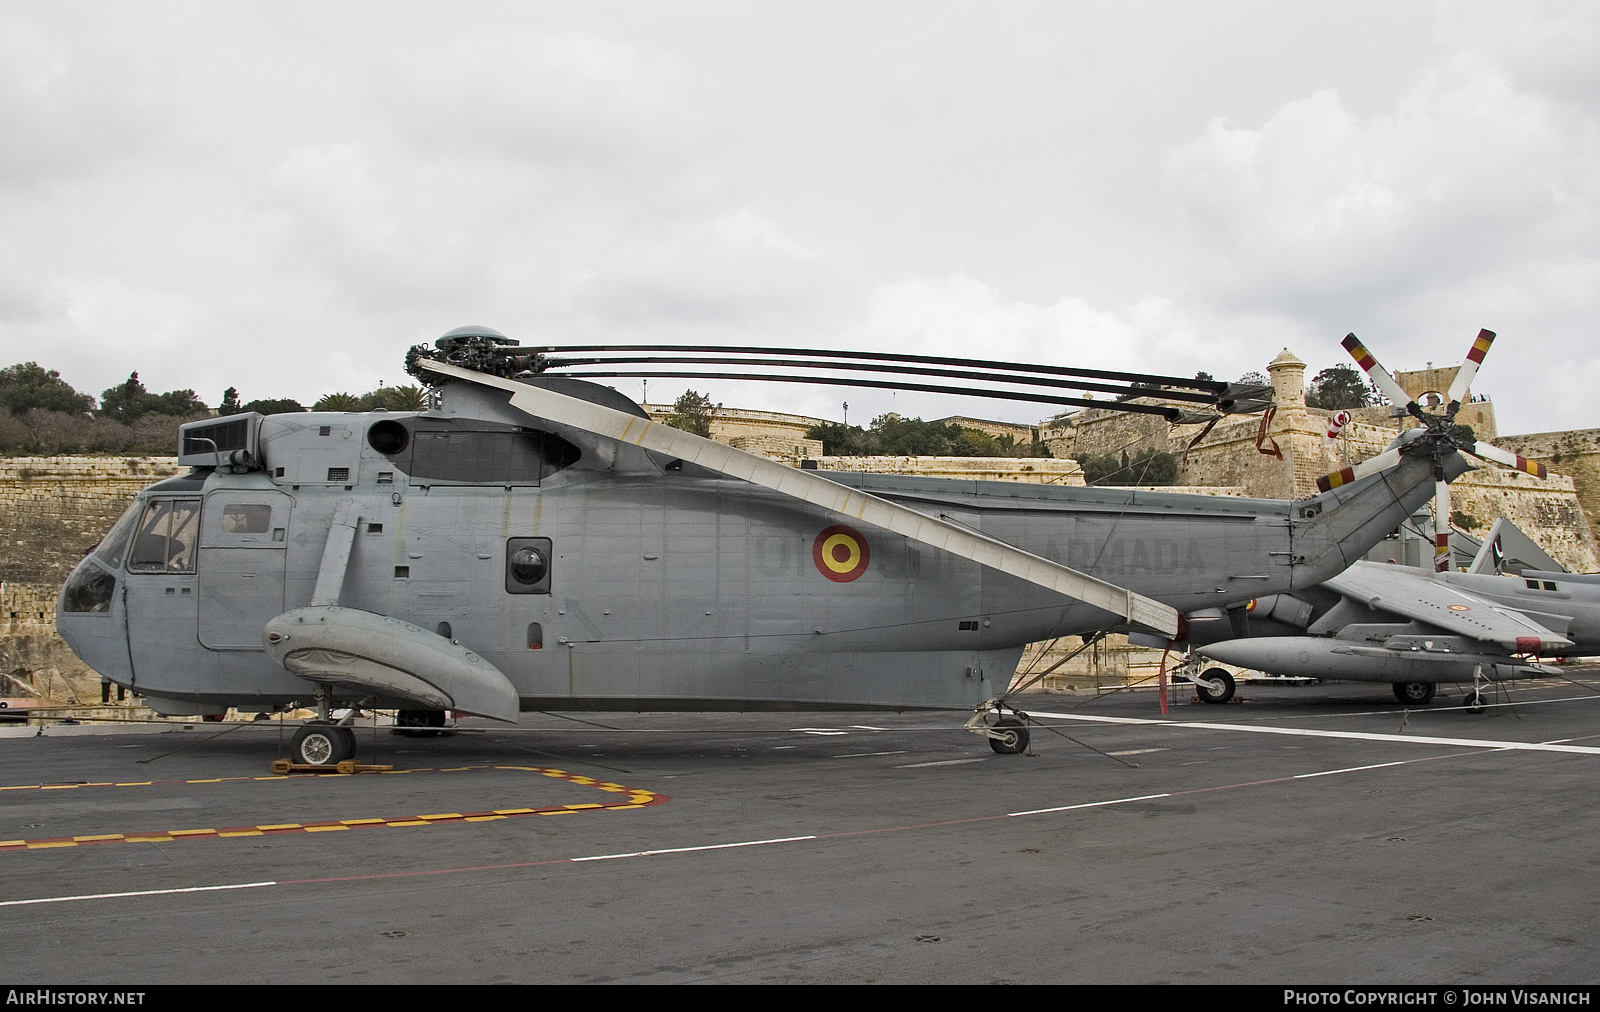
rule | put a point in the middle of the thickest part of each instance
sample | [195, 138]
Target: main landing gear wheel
[1474, 701]
[323, 745]
[1013, 738]
[419, 723]
[1415, 692]
[1206, 685]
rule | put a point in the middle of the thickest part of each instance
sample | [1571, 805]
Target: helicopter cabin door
[242, 552]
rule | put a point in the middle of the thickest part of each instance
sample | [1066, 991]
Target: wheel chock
[283, 767]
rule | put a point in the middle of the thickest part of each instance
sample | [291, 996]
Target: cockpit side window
[166, 537]
[246, 518]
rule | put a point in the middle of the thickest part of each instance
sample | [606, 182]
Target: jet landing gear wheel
[1215, 686]
[1013, 736]
[1474, 701]
[323, 745]
[1415, 692]
[419, 723]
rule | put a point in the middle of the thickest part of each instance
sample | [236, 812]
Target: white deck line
[1307, 732]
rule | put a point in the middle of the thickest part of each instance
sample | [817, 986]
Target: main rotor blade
[1372, 465]
[1441, 526]
[1364, 358]
[968, 375]
[1217, 387]
[807, 486]
[1172, 414]
[1489, 451]
[1469, 370]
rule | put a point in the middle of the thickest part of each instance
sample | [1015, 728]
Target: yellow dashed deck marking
[636, 799]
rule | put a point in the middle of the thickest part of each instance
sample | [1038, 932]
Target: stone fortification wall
[1039, 470]
[1575, 453]
[777, 446]
[729, 423]
[1023, 434]
[1561, 513]
[1100, 432]
[34, 661]
[1547, 510]
[52, 509]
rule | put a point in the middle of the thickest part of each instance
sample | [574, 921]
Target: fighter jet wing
[1416, 595]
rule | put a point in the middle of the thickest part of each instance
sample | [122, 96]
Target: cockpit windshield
[115, 544]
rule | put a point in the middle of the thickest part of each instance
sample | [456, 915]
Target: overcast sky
[283, 197]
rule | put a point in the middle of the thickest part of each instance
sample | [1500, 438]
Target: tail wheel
[1215, 685]
[323, 745]
[1013, 738]
[1415, 692]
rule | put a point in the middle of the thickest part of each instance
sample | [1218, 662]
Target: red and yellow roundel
[841, 553]
[1459, 607]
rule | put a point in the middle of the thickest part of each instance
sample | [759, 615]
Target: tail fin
[1491, 557]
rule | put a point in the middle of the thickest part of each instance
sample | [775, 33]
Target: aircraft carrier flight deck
[1321, 834]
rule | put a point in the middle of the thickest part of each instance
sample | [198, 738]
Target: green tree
[1148, 467]
[126, 402]
[1338, 386]
[914, 437]
[274, 406]
[840, 440]
[409, 397]
[179, 403]
[693, 412]
[338, 402]
[27, 386]
[230, 402]
[129, 401]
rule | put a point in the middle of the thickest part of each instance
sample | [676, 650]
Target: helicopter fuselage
[651, 584]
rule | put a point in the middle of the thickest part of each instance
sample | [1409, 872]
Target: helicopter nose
[90, 618]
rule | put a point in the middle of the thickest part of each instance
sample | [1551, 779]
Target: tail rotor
[1441, 436]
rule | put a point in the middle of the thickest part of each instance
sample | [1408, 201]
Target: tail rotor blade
[1382, 462]
[1441, 527]
[1469, 369]
[1379, 374]
[1489, 451]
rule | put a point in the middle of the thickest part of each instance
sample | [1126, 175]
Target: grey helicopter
[533, 541]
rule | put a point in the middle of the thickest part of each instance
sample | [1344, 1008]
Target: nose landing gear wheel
[323, 745]
[1415, 692]
[1206, 686]
[1013, 738]
[1474, 701]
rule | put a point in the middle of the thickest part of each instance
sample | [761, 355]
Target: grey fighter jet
[1379, 622]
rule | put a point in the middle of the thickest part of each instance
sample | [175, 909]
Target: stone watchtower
[1288, 381]
[1295, 475]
